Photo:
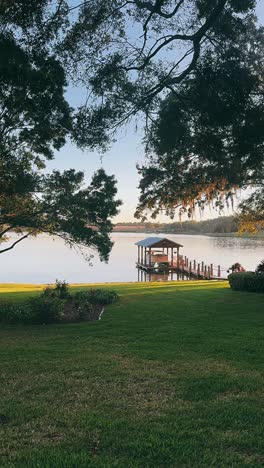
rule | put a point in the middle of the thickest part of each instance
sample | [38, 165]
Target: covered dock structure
[155, 253]
[159, 255]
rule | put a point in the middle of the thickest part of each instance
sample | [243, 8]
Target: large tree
[127, 54]
[174, 62]
[194, 70]
[207, 142]
[35, 120]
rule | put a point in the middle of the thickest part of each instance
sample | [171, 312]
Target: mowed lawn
[172, 376]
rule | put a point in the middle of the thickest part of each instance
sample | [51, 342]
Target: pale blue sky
[120, 160]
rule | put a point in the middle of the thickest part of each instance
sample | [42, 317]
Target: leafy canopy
[192, 68]
[35, 120]
[58, 204]
[208, 138]
[128, 55]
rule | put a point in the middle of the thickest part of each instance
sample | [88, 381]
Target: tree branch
[173, 13]
[175, 37]
[195, 38]
[16, 242]
[6, 230]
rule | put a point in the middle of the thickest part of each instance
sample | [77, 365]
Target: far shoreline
[186, 233]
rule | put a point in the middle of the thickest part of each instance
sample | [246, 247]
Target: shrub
[16, 313]
[47, 308]
[97, 296]
[83, 306]
[248, 281]
[260, 268]
[56, 304]
[60, 290]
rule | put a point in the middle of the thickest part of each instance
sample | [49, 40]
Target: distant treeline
[221, 225]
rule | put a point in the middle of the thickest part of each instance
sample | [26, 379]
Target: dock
[189, 268]
[153, 258]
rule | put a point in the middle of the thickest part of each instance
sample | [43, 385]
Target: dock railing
[199, 269]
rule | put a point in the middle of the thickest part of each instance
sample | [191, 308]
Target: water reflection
[144, 277]
[238, 243]
[42, 260]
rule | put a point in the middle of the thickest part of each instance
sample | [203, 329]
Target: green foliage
[82, 305]
[221, 225]
[36, 119]
[35, 115]
[60, 290]
[56, 304]
[251, 217]
[48, 308]
[81, 216]
[260, 268]
[194, 69]
[97, 296]
[208, 139]
[129, 74]
[248, 281]
[16, 313]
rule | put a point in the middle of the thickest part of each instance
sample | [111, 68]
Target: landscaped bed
[171, 376]
[56, 304]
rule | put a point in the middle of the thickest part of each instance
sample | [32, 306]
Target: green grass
[172, 376]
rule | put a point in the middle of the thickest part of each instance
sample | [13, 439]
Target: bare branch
[195, 38]
[182, 37]
[16, 242]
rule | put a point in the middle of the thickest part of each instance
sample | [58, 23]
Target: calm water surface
[42, 259]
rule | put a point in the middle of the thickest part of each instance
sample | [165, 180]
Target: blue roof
[153, 241]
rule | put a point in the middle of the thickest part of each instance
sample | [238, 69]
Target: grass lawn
[172, 376]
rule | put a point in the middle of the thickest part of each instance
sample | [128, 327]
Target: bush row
[248, 281]
[56, 304]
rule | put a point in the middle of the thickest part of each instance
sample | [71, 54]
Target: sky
[120, 160]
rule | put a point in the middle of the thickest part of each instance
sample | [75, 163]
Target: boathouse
[154, 252]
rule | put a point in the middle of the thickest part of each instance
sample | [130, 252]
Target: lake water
[42, 259]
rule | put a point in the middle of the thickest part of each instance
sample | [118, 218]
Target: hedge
[56, 305]
[248, 281]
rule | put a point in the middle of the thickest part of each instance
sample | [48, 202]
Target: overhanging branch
[6, 230]
[16, 242]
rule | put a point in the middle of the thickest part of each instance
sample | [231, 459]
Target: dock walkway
[194, 269]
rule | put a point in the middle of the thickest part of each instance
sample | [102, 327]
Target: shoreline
[184, 233]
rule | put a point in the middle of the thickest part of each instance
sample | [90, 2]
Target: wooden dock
[156, 255]
[194, 269]
[201, 270]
